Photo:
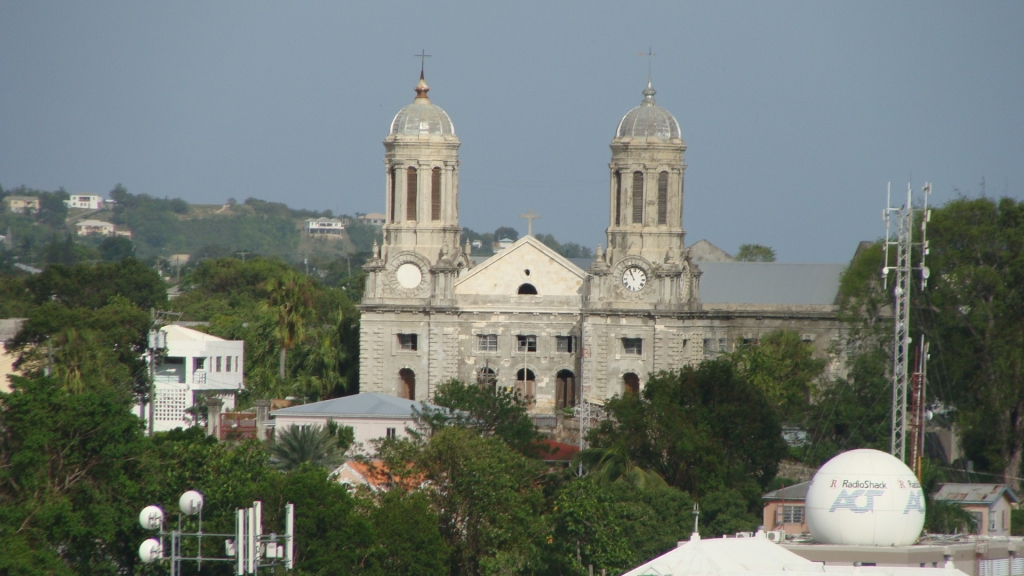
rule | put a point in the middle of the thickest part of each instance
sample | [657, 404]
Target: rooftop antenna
[903, 267]
[696, 522]
[423, 59]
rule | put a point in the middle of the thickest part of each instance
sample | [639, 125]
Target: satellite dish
[150, 551]
[151, 517]
[191, 502]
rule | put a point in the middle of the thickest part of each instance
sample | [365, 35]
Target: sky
[796, 115]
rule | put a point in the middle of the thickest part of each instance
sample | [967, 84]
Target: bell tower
[645, 261]
[420, 256]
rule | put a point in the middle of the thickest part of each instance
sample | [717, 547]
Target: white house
[86, 201]
[370, 415]
[325, 227]
[373, 219]
[22, 204]
[95, 227]
[195, 364]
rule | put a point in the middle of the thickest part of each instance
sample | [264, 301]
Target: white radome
[191, 502]
[151, 517]
[866, 498]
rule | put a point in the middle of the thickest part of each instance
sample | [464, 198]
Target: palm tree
[289, 299]
[301, 444]
[613, 464]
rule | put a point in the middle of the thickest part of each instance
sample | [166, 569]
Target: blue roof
[366, 405]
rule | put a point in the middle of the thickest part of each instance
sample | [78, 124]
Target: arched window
[565, 389]
[410, 193]
[486, 377]
[435, 194]
[394, 179]
[526, 385]
[630, 383]
[638, 197]
[527, 288]
[663, 198]
[618, 197]
[407, 384]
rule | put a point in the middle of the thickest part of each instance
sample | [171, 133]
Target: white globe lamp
[865, 498]
[150, 551]
[151, 517]
[191, 502]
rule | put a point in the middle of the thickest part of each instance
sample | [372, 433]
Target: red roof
[558, 451]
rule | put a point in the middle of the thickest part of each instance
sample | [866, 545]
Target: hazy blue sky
[795, 114]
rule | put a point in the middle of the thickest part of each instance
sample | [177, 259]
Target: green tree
[701, 428]
[973, 314]
[755, 253]
[784, 368]
[68, 464]
[116, 249]
[506, 232]
[289, 299]
[489, 410]
[317, 445]
[406, 539]
[485, 495]
[612, 464]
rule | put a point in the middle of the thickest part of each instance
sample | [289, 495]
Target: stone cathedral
[554, 329]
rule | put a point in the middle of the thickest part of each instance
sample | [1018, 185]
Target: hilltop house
[22, 204]
[95, 228]
[196, 364]
[373, 219]
[324, 227]
[85, 201]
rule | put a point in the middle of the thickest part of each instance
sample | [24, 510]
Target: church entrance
[565, 389]
[407, 384]
[526, 385]
[630, 384]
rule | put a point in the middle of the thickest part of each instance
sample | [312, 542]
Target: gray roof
[648, 120]
[769, 283]
[9, 328]
[794, 492]
[365, 405]
[986, 494]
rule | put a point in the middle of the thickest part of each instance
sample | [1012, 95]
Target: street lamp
[247, 547]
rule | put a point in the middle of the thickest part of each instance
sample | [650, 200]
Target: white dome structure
[422, 117]
[648, 120]
[867, 498]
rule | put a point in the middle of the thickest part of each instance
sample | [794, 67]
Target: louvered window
[618, 197]
[410, 193]
[638, 197]
[435, 194]
[394, 178]
[663, 198]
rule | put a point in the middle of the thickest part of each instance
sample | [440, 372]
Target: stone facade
[532, 320]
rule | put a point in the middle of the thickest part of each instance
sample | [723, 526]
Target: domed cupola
[422, 117]
[648, 120]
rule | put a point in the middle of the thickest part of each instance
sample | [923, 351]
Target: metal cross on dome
[650, 58]
[423, 59]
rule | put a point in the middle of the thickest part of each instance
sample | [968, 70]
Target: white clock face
[634, 279]
[409, 275]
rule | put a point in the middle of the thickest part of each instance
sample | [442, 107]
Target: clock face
[634, 279]
[409, 275]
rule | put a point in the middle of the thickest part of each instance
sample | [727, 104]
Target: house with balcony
[94, 228]
[21, 204]
[324, 227]
[85, 201]
[194, 365]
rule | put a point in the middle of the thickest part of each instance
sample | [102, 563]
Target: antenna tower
[903, 266]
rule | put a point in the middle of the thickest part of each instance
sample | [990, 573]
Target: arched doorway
[526, 385]
[565, 389]
[486, 377]
[630, 383]
[407, 384]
